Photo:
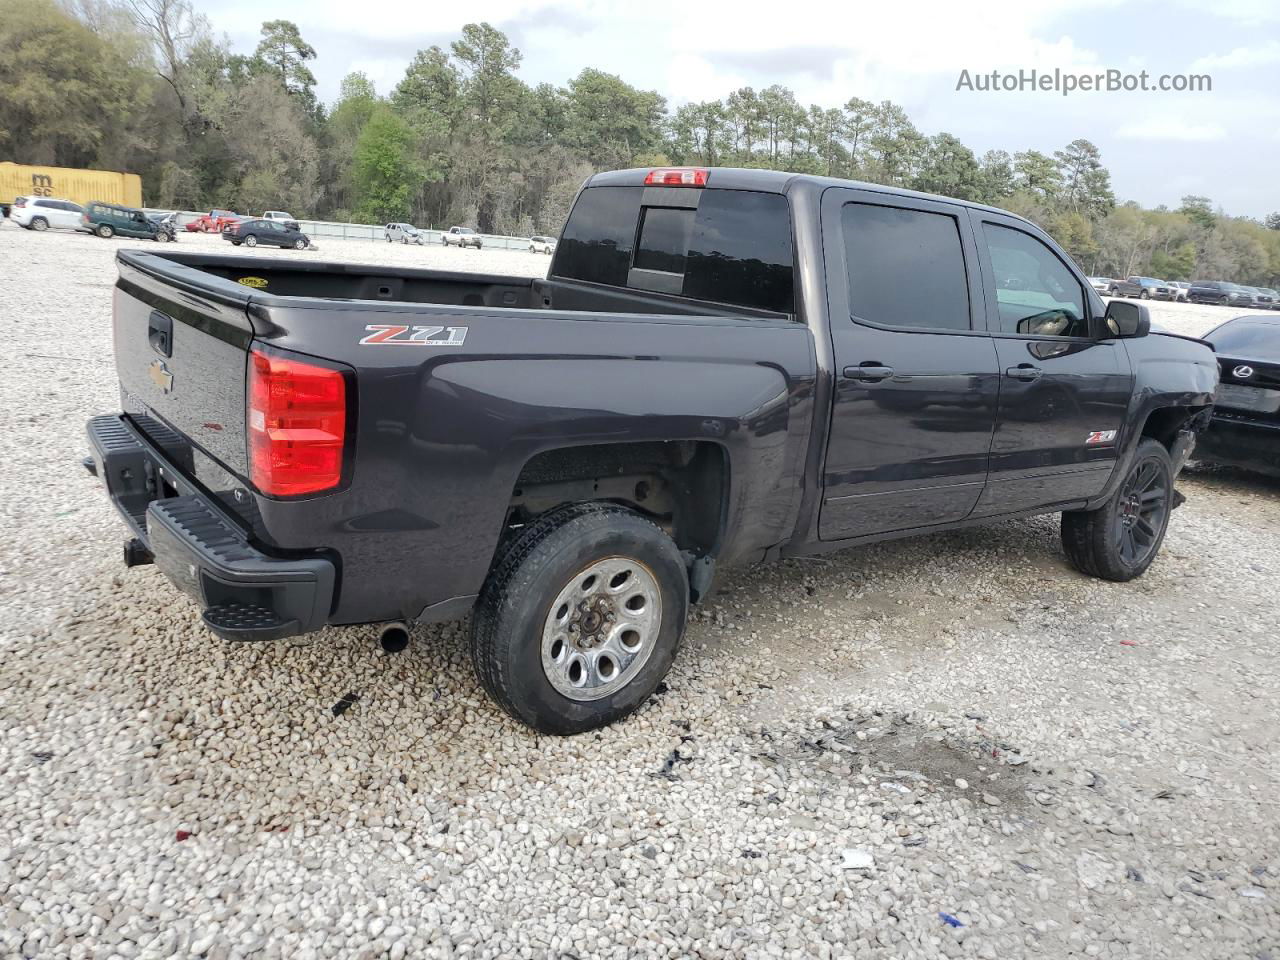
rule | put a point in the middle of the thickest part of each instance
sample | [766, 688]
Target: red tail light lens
[297, 422]
[676, 177]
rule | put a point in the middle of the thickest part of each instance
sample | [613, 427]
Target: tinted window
[1247, 340]
[596, 245]
[664, 239]
[734, 249]
[906, 267]
[740, 251]
[1035, 291]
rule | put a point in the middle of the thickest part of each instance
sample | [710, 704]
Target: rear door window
[906, 267]
[734, 248]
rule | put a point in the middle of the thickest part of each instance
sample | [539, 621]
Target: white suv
[44, 213]
[545, 245]
[404, 232]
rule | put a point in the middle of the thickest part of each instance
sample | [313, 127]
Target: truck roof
[774, 181]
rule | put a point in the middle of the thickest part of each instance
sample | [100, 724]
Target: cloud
[1240, 57]
[1169, 128]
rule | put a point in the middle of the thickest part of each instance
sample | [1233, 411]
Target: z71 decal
[397, 334]
[1099, 437]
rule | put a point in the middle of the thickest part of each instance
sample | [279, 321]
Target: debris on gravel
[927, 748]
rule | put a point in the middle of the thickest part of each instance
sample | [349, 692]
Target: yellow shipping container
[65, 183]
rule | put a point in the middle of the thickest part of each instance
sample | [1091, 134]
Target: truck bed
[328, 281]
[456, 383]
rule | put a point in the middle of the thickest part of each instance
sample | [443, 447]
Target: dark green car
[108, 219]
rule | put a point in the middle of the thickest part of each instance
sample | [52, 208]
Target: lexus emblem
[160, 375]
[1242, 372]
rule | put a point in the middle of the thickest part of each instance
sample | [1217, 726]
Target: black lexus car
[276, 233]
[1245, 430]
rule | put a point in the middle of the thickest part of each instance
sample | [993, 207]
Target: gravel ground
[951, 746]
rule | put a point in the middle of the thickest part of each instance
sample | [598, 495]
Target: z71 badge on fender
[397, 334]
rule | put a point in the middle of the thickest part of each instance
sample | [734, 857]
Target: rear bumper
[244, 593]
[1241, 443]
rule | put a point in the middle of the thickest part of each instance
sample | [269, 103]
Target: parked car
[1219, 292]
[1273, 298]
[1262, 299]
[1180, 289]
[1245, 429]
[166, 223]
[215, 221]
[460, 237]
[545, 245]
[1101, 284]
[45, 213]
[281, 217]
[1144, 288]
[463, 449]
[404, 233]
[271, 232]
[108, 220]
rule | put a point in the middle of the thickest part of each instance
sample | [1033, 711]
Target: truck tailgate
[181, 349]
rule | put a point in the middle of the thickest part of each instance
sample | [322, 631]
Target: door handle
[868, 372]
[160, 333]
[1024, 371]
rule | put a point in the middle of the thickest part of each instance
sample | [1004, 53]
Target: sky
[1159, 146]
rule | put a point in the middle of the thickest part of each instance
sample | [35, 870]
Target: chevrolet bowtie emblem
[160, 375]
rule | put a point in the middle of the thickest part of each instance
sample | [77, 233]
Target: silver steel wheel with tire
[105, 231]
[600, 629]
[300, 244]
[580, 617]
[251, 241]
[39, 224]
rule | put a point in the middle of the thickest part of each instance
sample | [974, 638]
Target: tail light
[676, 177]
[297, 420]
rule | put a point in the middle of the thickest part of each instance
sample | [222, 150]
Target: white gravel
[852, 754]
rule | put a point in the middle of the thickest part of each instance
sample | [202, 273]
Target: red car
[215, 221]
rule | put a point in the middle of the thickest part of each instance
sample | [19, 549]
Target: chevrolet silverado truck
[721, 367]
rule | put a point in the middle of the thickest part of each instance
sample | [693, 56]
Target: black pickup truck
[722, 366]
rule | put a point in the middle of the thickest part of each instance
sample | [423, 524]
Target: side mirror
[1127, 319]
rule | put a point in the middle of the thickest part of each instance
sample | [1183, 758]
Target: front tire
[1120, 539]
[300, 244]
[580, 620]
[106, 231]
[1144, 295]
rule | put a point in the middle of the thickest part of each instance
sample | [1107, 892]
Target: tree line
[147, 86]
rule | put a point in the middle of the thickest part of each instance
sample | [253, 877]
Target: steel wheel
[601, 628]
[1144, 502]
[251, 241]
[39, 223]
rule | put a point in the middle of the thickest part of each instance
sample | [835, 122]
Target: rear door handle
[868, 373]
[1024, 371]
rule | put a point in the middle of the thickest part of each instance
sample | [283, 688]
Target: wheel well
[680, 485]
[1163, 425]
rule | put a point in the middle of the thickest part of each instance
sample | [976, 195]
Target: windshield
[1248, 340]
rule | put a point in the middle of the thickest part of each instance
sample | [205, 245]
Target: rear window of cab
[733, 248]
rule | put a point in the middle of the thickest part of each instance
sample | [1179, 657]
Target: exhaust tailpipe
[394, 636]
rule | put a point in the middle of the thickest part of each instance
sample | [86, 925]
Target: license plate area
[1256, 399]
